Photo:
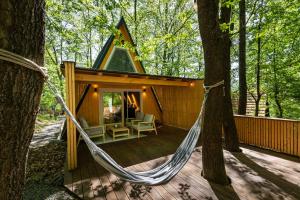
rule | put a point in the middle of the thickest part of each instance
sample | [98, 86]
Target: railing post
[70, 100]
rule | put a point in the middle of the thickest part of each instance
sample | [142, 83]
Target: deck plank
[68, 179]
[117, 186]
[87, 185]
[96, 184]
[77, 181]
[255, 173]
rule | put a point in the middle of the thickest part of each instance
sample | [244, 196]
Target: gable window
[120, 60]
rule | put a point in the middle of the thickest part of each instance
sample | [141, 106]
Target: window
[120, 60]
[112, 107]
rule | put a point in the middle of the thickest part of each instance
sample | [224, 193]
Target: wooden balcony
[255, 173]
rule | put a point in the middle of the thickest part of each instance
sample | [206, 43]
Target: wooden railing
[281, 135]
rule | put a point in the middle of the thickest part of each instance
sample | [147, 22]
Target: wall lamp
[144, 88]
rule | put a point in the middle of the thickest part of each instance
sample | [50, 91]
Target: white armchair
[92, 131]
[148, 124]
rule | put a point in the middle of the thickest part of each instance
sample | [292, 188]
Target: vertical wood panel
[273, 135]
[181, 105]
[289, 134]
[298, 136]
[71, 129]
[281, 135]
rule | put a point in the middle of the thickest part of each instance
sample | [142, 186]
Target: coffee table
[119, 131]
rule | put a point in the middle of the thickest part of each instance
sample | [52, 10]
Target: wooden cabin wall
[181, 105]
[90, 107]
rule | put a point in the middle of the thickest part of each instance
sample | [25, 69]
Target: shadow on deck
[255, 174]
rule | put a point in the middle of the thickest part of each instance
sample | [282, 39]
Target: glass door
[132, 103]
[112, 105]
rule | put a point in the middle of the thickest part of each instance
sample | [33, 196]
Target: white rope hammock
[158, 175]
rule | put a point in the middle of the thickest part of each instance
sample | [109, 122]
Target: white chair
[148, 124]
[139, 117]
[92, 131]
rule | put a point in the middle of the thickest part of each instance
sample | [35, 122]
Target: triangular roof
[105, 52]
[122, 26]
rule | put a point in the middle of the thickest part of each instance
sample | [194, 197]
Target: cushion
[142, 127]
[148, 118]
[83, 123]
[95, 132]
[139, 115]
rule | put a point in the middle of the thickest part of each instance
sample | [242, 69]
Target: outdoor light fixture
[192, 84]
[144, 88]
[95, 86]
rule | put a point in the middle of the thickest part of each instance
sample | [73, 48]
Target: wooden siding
[250, 109]
[280, 135]
[180, 105]
[90, 106]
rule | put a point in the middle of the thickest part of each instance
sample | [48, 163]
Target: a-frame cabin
[106, 93]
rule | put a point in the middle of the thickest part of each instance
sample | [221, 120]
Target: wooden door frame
[116, 90]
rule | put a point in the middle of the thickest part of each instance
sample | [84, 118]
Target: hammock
[156, 176]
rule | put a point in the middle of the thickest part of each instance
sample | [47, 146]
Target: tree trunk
[212, 154]
[135, 21]
[230, 132]
[22, 32]
[267, 110]
[279, 112]
[258, 93]
[257, 100]
[242, 60]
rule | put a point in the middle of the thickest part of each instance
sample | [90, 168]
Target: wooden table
[119, 131]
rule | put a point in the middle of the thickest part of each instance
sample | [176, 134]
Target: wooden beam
[71, 129]
[128, 80]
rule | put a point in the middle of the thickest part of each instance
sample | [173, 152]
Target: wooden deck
[255, 173]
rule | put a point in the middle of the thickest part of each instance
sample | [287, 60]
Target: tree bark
[242, 60]
[258, 93]
[135, 22]
[267, 110]
[279, 111]
[229, 128]
[212, 154]
[22, 32]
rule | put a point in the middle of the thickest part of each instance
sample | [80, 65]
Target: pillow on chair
[83, 123]
[139, 115]
[148, 118]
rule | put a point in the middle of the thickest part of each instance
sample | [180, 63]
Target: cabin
[117, 86]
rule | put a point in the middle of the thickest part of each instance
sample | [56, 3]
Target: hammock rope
[158, 175]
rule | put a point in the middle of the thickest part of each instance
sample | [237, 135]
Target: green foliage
[166, 34]
[167, 37]
[280, 53]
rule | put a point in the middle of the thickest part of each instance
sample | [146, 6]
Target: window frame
[112, 53]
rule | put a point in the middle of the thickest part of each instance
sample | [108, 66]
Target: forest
[150, 99]
[166, 35]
